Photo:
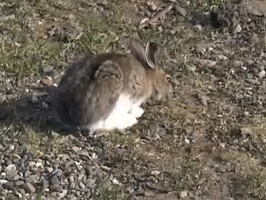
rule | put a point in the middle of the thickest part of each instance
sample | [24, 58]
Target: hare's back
[89, 89]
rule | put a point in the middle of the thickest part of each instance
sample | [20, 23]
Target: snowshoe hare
[105, 91]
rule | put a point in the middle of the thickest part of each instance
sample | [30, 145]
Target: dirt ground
[207, 143]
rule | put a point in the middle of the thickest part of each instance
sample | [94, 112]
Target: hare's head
[160, 79]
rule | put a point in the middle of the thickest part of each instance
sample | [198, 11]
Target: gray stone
[19, 183]
[28, 187]
[59, 172]
[183, 194]
[54, 181]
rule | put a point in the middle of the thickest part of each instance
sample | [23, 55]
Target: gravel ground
[207, 143]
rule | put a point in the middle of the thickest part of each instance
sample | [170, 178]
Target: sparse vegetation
[208, 142]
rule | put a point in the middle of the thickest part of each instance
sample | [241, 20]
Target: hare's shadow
[36, 111]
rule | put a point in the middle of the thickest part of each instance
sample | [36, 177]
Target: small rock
[223, 145]
[207, 63]
[45, 139]
[3, 181]
[11, 171]
[187, 141]
[76, 149]
[32, 178]
[19, 183]
[238, 63]
[246, 131]
[3, 175]
[222, 57]
[59, 172]
[47, 81]
[116, 182]
[238, 29]
[39, 164]
[31, 164]
[155, 173]
[183, 194]
[82, 185]
[152, 6]
[54, 181]
[173, 32]
[91, 183]
[71, 179]
[62, 194]
[55, 188]
[28, 187]
[261, 74]
[246, 113]
[8, 185]
[198, 27]
[11, 148]
[181, 11]
[204, 99]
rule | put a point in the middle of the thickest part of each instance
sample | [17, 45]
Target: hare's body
[105, 91]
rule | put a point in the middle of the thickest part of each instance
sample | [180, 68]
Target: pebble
[187, 141]
[207, 63]
[155, 173]
[82, 185]
[62, 194]
[181, 11]
[10, 167]
[183, 194]
[3, 175]
[59, 172]
[3, 181]
[28, 187]
[54, 181]
[11, 171]
[91, 183]
[8, 185]
[152, 6]
[238, 29]
[198, 27]
[39, 164]
[47, 81]
[261, 74]
[76, 149]
[204, 99]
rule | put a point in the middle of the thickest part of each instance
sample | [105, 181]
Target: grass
[252, 175]
[26, 49]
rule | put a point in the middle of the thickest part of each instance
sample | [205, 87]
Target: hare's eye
[168, 79]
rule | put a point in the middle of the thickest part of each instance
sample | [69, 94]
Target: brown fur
[90, 87]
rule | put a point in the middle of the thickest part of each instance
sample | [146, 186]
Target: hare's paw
[126, 121]
[136, 111]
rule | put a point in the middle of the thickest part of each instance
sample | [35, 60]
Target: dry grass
[251, 172]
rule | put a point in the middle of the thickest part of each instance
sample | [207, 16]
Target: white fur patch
[136, 111]
[124, 115]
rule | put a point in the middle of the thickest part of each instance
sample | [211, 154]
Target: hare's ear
[150, 51]
[146, 55]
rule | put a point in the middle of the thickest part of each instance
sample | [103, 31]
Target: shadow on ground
[33, 111]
